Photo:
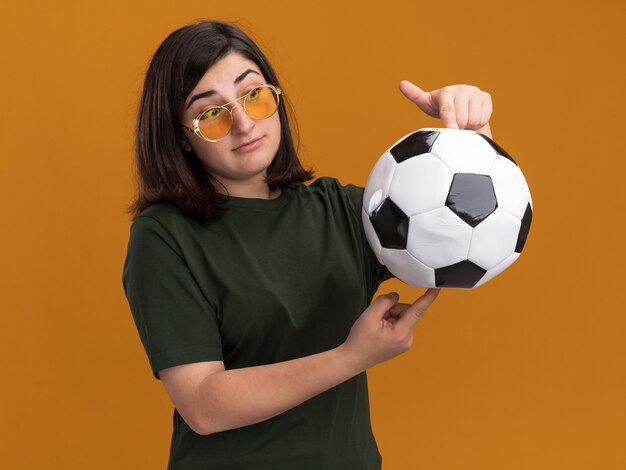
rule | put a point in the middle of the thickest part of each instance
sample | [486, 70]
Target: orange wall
[526, 372]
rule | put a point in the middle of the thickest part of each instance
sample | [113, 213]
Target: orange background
[527, 372]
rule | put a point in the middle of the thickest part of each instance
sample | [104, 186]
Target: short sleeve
[176, 323]
[377, 273]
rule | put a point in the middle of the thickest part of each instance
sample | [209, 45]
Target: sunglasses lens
[215, 123]
[261, 102]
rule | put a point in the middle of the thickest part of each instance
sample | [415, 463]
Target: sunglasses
[214, 123]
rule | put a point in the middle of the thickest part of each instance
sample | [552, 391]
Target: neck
[256, 190]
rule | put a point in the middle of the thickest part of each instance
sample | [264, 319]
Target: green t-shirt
[272, 280]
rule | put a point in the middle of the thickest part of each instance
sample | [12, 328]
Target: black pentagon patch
[413, 145]
[524, 229]
[499, 150]
[472, 197]
[464, 274]
[391, 225]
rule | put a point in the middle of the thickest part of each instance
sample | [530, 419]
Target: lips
[247, 143]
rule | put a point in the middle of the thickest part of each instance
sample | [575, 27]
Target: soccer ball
[446, 208]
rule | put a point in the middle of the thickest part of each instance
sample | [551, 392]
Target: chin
[254, 165]
[262, 157]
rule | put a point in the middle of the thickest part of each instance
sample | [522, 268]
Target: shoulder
[163, 224]
[165, 217]
[328, 183]
[164, 212]
[333, 189]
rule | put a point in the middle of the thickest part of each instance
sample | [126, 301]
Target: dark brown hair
[165, 171]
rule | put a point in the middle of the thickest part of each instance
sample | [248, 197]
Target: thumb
[416, 310]
[383, 304]
[418, 96]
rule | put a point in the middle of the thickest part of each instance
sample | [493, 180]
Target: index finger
[416, 310]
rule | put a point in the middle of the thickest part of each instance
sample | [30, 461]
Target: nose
[242, 123]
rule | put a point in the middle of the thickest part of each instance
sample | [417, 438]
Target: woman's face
[229, 160]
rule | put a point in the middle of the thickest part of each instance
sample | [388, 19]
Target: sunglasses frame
[196, 122]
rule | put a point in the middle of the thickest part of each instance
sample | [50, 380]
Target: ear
[184, 143]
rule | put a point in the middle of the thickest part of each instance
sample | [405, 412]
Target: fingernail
[394, 295]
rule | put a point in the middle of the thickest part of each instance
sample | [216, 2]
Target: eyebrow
[206, 94]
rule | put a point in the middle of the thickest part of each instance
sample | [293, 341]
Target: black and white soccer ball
[446, 208]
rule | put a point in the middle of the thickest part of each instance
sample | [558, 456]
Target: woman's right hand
[384, 330]
[214, 399]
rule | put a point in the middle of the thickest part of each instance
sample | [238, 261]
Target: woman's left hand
[458, 106]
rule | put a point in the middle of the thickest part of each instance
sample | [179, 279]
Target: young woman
[250, 290]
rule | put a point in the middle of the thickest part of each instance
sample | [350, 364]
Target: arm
[211, 399]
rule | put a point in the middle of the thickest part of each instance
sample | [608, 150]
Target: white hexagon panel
[416, 183]
[463, 152]
[510, 187]
[378, 182]
[438, 238]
